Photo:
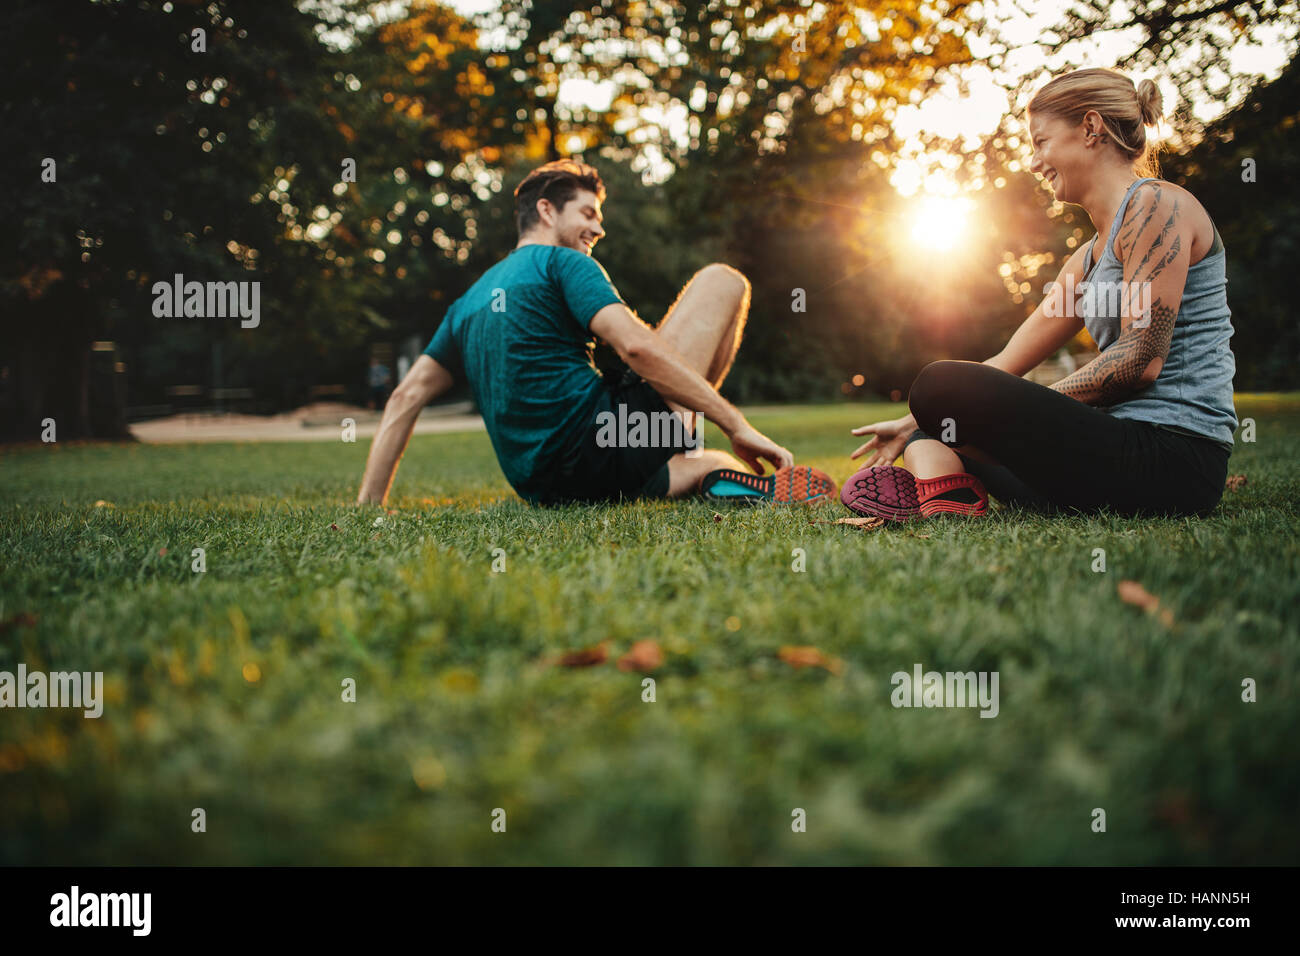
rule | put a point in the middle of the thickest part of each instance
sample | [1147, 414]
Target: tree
[1185, 40]
[218, 155]
[1244, 172]
[170, 127]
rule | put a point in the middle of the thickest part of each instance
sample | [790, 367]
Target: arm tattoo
[1143, 209]
[1116, 373]
[1159, 241]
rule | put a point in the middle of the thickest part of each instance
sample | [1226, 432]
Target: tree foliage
[1245, 172]
[757, 133]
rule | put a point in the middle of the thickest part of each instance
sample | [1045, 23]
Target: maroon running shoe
[884, 491]
[895, 494]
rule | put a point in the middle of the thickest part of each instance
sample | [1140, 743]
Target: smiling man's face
[578, 225]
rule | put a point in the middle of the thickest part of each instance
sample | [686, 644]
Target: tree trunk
[49, 372]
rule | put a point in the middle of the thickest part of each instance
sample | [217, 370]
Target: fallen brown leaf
[866, 524]
[1130, 592]
[644, 656]
[587, 657]
[806, 656]
[1234, 482]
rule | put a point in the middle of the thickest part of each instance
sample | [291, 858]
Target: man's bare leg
[705, 326]
[685, 474]
[707, 321]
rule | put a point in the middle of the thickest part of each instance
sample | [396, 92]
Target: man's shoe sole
[798, 484]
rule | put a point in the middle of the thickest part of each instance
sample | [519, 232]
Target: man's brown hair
[559, 182]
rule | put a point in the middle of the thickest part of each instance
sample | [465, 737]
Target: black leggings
[1054, 453]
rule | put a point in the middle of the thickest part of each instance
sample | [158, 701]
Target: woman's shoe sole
[882, 491]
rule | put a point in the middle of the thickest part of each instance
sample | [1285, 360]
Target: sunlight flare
[939, 222]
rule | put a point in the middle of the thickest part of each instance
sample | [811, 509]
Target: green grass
[461, 708]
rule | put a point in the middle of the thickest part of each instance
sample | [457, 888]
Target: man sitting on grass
[522, 337]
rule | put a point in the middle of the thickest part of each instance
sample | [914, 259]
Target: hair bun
[1149, 102]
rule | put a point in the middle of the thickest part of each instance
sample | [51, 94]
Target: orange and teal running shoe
[798, 484]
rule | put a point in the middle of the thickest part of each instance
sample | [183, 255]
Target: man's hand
[753, 447]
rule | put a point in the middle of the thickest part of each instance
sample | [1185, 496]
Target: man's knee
[725, 279]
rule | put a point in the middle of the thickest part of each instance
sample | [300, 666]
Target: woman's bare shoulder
[1184, 206]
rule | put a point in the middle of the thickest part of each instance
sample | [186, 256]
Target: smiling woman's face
[1060, 156]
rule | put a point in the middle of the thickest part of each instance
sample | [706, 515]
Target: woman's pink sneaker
[895, 494]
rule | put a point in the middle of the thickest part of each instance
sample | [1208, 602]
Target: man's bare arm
[424, 382]
[660, 365]
[672, 377]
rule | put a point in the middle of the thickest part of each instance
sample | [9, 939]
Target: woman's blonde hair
[1126, 110]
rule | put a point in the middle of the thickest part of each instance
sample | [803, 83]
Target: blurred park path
[319, 421]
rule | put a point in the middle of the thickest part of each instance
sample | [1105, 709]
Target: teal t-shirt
[521, 337]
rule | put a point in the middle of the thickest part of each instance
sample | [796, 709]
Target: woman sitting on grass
[1146, 427]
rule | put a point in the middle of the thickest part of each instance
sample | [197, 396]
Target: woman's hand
[887, 440]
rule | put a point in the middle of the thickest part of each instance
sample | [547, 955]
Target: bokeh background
[869, 154]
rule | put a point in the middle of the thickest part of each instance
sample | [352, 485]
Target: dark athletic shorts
[1058, 455]
[588, 472]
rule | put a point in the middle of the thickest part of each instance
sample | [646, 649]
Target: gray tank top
[1193, 393]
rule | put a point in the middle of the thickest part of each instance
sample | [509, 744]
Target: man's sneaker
[798, 484]
[896, 495]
